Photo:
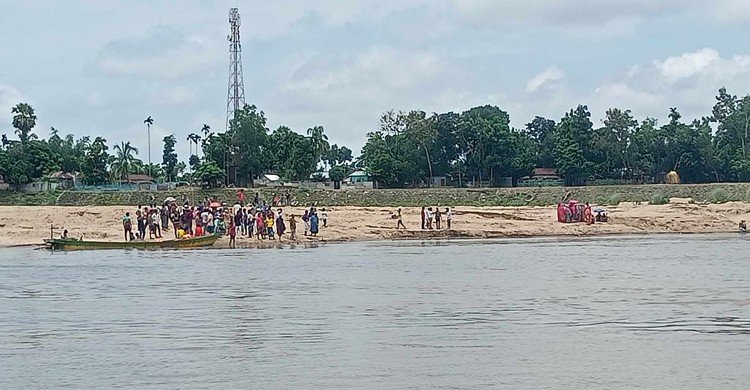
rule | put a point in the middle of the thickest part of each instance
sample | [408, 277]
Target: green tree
[95, 161]
[294, 155]
[732, 115]
[572, 141]
[124, 161]
[542, 131]
[194, 162]
[249, 143]
[169, 158]
[24, 121]
[210, 173]
[319, 141]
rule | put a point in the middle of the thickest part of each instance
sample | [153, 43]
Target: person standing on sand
[260, 225]
[292, 228]
[127, 225]
[424, 215]
[314, 224]
[400, 222]
[448, 216]
[280, 226]
[141, 223]
[428, 217]
[288, 198]
[269, 227]
[232, 235]
[437, 218]
[324, 216]
[306, 220]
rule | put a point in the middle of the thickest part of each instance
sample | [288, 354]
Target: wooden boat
[76, 245]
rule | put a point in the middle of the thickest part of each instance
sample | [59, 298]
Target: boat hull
[75, 245]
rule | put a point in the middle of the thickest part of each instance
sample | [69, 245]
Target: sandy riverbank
[28, 225]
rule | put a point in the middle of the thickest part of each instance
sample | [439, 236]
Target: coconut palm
[124, 161]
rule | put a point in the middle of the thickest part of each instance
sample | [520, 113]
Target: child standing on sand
[269, 227]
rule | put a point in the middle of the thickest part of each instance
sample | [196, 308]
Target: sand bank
[28, 225]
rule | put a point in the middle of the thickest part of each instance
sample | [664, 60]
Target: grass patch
[658, 199]
[718, 195]
[613, 200]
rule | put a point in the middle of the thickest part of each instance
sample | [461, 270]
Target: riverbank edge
[224, 244]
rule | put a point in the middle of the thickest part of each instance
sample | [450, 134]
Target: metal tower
[236, 90]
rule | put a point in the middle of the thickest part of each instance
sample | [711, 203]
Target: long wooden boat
[76, 245]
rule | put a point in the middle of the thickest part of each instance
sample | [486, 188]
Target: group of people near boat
[575, 211]
[260, 220]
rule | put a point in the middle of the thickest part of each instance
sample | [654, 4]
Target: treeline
[479, 145]
[238, 156]
[410, 148]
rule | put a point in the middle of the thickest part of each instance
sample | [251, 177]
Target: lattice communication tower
[236, 90]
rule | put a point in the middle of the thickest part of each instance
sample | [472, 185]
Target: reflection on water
[666, 312]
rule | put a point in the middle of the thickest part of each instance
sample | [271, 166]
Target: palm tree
[319, 142]
[149, 121]
[206, 129]
[24, 121]
[124, 161]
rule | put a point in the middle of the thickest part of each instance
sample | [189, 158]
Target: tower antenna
[236, 89]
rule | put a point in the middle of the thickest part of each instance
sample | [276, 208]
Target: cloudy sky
[96, 67]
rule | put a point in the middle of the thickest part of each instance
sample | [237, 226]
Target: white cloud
[552, 73]
[686, 65]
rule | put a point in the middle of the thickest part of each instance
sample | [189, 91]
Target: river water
[619, 313]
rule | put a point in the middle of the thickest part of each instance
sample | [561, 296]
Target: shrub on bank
[613, 200]
[718, 195]
[658, 199]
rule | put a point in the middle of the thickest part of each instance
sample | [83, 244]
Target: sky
[96, 67]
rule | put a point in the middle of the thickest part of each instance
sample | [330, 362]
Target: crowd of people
[257, 219]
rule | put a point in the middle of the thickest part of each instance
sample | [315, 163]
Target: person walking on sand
[424, 215]
[400, 222]
[292, 228]
[437, 218]
[127, 225]
[448, 216]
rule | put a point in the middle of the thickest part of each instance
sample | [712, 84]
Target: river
[618, 313]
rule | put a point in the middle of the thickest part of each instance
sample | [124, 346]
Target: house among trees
[541, 177]
[65, 180]
[268, 180]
